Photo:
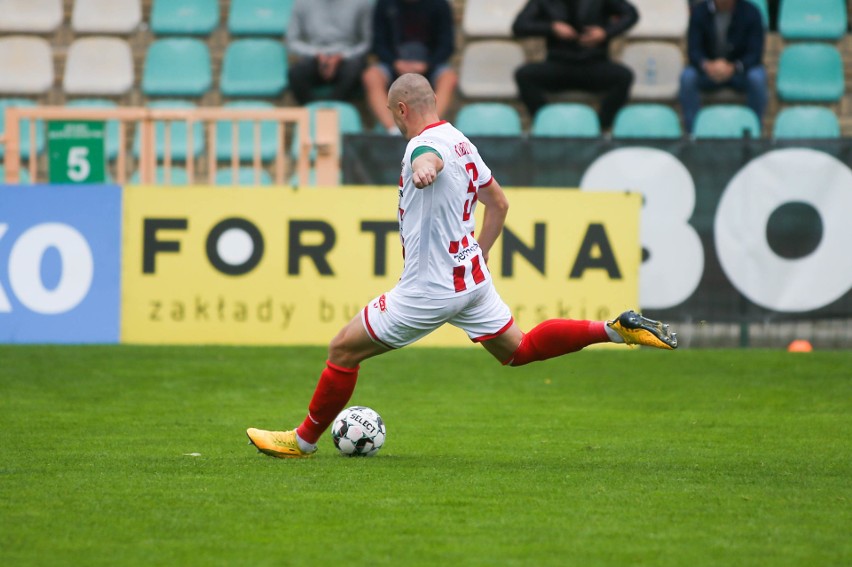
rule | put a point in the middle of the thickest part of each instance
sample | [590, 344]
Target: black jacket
[745, 35]
[536, 18]
[434, 29]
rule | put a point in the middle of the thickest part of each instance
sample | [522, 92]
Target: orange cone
[800, 345]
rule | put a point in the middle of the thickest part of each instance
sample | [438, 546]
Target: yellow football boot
[638, 330]
[281, 444]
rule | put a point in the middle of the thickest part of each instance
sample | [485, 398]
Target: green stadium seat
[812, 19]
[25, 127]
[177, 67]
[806, 122]
[179, 134]
[726, 121]
[112, 138]
[259, 17]
[647, 121]
[254, 67]
[566, 120]
[178, 176]
[245, 177]
[810, 72]
[184, 17]
[269, 141]
[488, 119]
[348, 117]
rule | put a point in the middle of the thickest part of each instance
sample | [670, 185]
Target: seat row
[807, 71]
[103, 66]
[646, 120]
[669, 19]
[170, 17]
[257, 67]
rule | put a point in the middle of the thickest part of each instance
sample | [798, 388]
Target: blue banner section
[60, 260]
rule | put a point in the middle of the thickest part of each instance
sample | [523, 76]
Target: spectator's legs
[304, 75]
[445, 88]
[376, 81]
[536, 79]
[756, 95]
[690, 96]
[614, 80]
[346, 81]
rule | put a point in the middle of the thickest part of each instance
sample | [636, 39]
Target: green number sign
[76, 151]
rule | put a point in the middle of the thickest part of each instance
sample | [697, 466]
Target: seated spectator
[725, 50]
[330, 40]
[578, 34]
[410, 36]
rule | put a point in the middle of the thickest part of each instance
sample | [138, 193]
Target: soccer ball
[358, 432]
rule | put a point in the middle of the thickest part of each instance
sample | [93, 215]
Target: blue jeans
[693, 81]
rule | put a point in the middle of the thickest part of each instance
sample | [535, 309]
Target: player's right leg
[337, 381]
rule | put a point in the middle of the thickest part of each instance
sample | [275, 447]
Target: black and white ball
[358, 431]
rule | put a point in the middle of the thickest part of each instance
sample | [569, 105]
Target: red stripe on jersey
[458, 278]
[465, 242]
[454, 247]
[370, 329]
[401, 182]
[502, 330]
[478, 276]
[489, 182]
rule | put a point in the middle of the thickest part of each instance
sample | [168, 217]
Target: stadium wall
[742, 243]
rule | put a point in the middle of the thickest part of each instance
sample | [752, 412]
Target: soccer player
[445, 278]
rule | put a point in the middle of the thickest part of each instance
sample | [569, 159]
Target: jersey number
[472, 175]
[476, 267]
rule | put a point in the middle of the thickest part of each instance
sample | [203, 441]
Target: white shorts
[395, 319]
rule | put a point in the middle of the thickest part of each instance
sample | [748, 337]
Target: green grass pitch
[125, 455]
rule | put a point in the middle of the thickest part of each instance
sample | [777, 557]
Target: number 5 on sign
[79, 167]
[76, 151]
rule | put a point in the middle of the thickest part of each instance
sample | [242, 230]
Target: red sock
[334, 389]
[556, 337]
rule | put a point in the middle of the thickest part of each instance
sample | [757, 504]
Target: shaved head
[415, 91]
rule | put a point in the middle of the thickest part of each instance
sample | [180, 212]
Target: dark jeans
[305, 78]
[611, 79]
[693, 82]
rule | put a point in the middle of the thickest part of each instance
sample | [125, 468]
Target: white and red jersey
[436, 223]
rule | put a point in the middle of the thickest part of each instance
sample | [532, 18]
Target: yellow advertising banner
[206, 265]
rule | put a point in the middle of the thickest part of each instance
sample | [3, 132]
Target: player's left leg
[489, 321]
[548, 339]
[556, 337]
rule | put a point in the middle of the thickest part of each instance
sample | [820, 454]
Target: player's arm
[496, 209]
[426, 163]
